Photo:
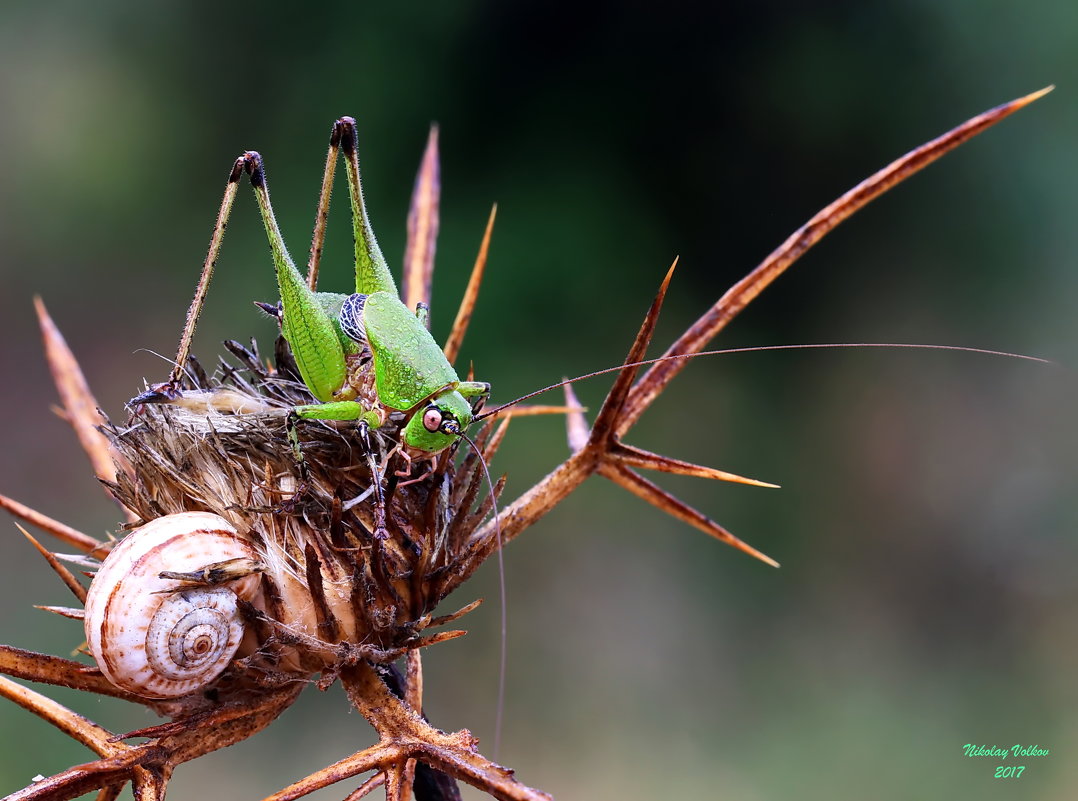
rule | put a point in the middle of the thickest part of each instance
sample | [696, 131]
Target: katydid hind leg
[372, 271]
[183, 351]
[310, 331]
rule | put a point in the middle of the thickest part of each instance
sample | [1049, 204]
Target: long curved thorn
[740, 294]
[74, 725]
[608, 419]
[374, 758]
[111, 793]
[79, 402]
[65, 575]
[48, 669]
[73, 537]
[637, 457]
[81, 779]
[373, 783]
[471, 293]
[418, 271]
[661, 499]
[576, 424]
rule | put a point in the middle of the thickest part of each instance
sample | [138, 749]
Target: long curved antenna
[504, 653]
[755, 348]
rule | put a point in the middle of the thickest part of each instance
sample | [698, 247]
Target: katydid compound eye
[432, 418]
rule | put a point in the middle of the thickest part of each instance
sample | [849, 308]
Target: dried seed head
[328, 590]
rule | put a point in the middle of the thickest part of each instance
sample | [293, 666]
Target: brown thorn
[81, 409]
[607, 421]
[110, 793]
[62, 672]
[471, 293]
[740, 294]
[82, 779]
[443, 619]
[636, 457]
[192, 724]
[418, 271]
[491, 448]
[64, 574]
[64, 611]
[70, 723]
[660, 498]
[373, 758]
[373, 783]
[576, 424]
[73, 537]
[434, 639]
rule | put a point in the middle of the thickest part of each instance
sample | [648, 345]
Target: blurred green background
[926, 523]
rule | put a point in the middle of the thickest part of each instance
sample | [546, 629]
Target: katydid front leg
[380, 530]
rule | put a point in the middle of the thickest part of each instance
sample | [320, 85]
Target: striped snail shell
[161, 637]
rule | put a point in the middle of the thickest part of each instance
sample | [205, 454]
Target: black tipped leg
[157, 393]
[274, 310]
[344, 133]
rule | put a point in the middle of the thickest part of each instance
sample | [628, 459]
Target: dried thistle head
[311, 522]
[335, 599]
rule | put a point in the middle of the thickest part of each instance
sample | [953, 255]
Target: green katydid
[330, 333]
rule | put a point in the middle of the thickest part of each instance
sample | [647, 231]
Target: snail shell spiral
[160, 637]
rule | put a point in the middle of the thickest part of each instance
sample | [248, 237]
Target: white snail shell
[153, 637]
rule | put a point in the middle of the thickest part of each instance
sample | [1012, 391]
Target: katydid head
[437, 425]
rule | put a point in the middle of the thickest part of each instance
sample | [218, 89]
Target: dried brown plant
[165, 459]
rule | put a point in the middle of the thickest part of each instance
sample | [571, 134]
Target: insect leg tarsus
[372, 271]
[422, 311]
[380, 530]
[291, 426]
[274, 310]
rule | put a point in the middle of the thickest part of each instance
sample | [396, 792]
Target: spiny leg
[199, 299]
[322, 214]
[305, 324]
[372, 272]
[380, 530]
